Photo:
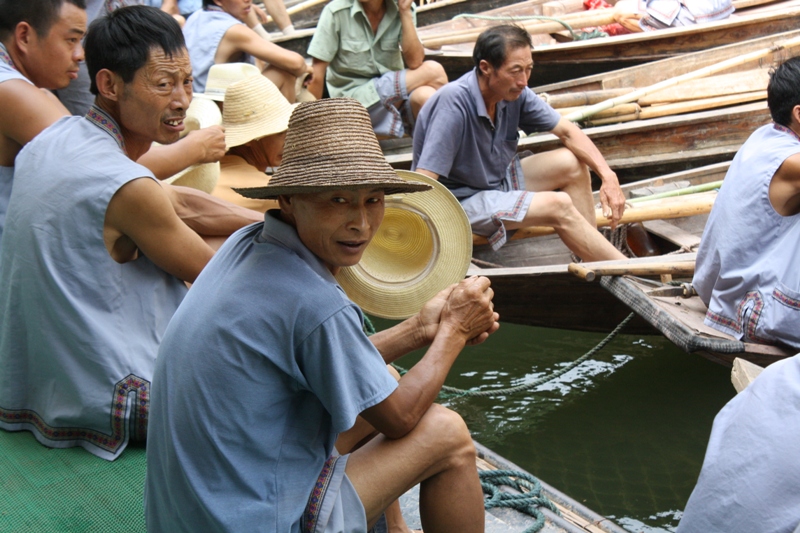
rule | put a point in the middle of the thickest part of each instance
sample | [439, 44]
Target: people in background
[467, 135]
[369, 50]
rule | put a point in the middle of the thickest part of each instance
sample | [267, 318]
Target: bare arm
[206, 145]
[611, 197]
[784, 188]
[277, 10]
[413, 51]
[240, 38]
[140, 216]
[170, 6]
[315, 86]
[466, 314]
[428, 173]
[209, 215]
[26, 112]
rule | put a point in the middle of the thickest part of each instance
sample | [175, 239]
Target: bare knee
[449, 433]
[558, 207]
[432, 73]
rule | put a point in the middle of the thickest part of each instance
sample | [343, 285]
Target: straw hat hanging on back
[425, 241]
[200, 114]
[222, 75]
[254, 108]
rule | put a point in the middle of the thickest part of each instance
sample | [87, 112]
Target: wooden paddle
[663, 209]
[651, 268]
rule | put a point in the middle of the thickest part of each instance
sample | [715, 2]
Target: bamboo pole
[655, 268]
[674, 109]
[581, 98]
[704, 187]
[711, 87]
[620, 110]
[664, 209]
[695, 74]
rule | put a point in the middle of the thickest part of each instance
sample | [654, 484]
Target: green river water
[624, 433]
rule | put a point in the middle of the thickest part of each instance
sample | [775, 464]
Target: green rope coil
[528, 501]
[452, 392]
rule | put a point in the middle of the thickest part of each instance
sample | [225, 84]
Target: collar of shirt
[391, 13]
[103, 120]
[784, 129]
[480, 105]
[5, 58]
[276, 231]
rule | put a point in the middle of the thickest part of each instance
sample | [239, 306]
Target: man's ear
[109, 85]
[484, 67]
[24, 36]
[796, 114]
[287, 209]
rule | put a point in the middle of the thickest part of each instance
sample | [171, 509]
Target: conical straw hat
[423, 245]
[254, 108]
[331, 145]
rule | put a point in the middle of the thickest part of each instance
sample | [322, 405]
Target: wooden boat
[644, 148]
[70, 490]
[563, 61]
[533, 284]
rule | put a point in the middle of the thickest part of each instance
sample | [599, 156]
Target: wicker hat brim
[239, 134]
[423, 246]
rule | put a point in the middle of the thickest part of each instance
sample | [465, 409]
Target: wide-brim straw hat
[200, 114]
[423, 246]
[331, 145]
[254, 108]
[222, 75]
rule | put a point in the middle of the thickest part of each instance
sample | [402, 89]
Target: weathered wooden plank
[672, 233]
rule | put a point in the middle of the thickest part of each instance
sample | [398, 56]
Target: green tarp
[45, 490]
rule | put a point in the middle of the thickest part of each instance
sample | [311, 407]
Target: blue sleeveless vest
[747, 269]
[79, 332]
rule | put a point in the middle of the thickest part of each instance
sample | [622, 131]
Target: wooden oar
[654, 268]
[664, 209]
[695, 74]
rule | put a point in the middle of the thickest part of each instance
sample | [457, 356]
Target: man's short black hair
[122, 41]
[40, 14]
[783, 91]
[208, 3]
[494, 44]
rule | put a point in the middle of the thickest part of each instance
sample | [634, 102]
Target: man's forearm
[166, 160]
[395, 342]
[413, 51]
[208, 215]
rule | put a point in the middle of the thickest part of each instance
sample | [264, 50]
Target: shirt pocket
[355, 55]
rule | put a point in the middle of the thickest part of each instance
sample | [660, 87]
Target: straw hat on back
[200, 114]
[222, 75]
[424, 243]
[331, 145]
[254, 108]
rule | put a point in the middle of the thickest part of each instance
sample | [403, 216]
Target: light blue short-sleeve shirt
[455, 137]
[259, 371]
[356, 56]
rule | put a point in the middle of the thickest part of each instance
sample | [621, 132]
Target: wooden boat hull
[647, 148]
[565, 61]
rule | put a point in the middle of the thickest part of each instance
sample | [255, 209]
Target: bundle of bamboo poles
[690, 96]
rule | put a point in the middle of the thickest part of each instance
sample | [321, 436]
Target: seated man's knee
[448, 426]
[435, 74]
[560, 204]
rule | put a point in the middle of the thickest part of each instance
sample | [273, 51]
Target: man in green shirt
[361, 45]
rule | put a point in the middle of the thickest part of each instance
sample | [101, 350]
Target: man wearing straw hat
[266, 364]
[219, 34]
[255, 116]
[94, 257]
[467, 135]
[747, 269]
[358, 50]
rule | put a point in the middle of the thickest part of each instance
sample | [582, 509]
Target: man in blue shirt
[266, 364]
[467, 134]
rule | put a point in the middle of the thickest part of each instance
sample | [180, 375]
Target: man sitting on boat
[747, 269]
[219, 34]
[266, 364]
[360, 45]
[40, 46]
[94, 256]
[661, 14]
[748, 482]
[466, 137]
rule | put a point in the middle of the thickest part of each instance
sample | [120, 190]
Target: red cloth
[611, 29]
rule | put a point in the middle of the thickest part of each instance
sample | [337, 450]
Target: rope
[528, 501]
[452, 392]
